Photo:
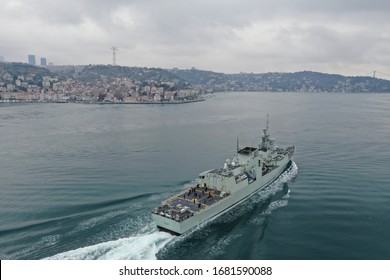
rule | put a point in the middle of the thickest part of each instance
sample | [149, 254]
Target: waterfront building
[46, 81]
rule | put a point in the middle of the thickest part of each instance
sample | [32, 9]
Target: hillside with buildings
[92, 83]
[21, 82]
[305, 81]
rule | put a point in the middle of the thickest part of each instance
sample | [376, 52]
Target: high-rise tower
[43, 61]
[31, 59]
[114, 49]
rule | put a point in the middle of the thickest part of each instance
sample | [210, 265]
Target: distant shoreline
[12, 101]
[150, 102]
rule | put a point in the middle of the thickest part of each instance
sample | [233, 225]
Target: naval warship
[217, 190]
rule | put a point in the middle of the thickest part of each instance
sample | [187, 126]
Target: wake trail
[137, 247]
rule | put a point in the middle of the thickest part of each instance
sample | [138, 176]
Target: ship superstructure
[250, 169]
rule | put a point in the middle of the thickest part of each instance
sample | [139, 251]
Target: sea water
[79, 181]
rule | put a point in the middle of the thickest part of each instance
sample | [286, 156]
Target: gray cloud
[348, 37]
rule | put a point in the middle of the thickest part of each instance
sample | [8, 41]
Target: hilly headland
[20, 82]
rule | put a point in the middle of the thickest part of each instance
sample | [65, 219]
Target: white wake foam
[275, 205]
[84, 225]
[287, 195]
[220, 246]
[45, 241]
[289, 174]
[137, 247]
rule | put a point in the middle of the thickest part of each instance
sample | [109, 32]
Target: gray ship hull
[202, 216]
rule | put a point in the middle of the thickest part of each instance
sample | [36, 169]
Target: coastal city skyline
[22, 82]
[348, 38]
[32, 60]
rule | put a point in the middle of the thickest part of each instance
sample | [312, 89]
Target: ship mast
[265, 145]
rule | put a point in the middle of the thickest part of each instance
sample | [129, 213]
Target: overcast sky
[350, 37]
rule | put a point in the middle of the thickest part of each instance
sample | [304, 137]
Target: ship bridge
[246, 154]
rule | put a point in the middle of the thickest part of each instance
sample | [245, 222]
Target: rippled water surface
[79, 181]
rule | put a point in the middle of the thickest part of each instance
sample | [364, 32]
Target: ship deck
[197, 198]
[187, 204]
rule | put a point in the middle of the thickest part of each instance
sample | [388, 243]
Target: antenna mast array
[114, 49]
